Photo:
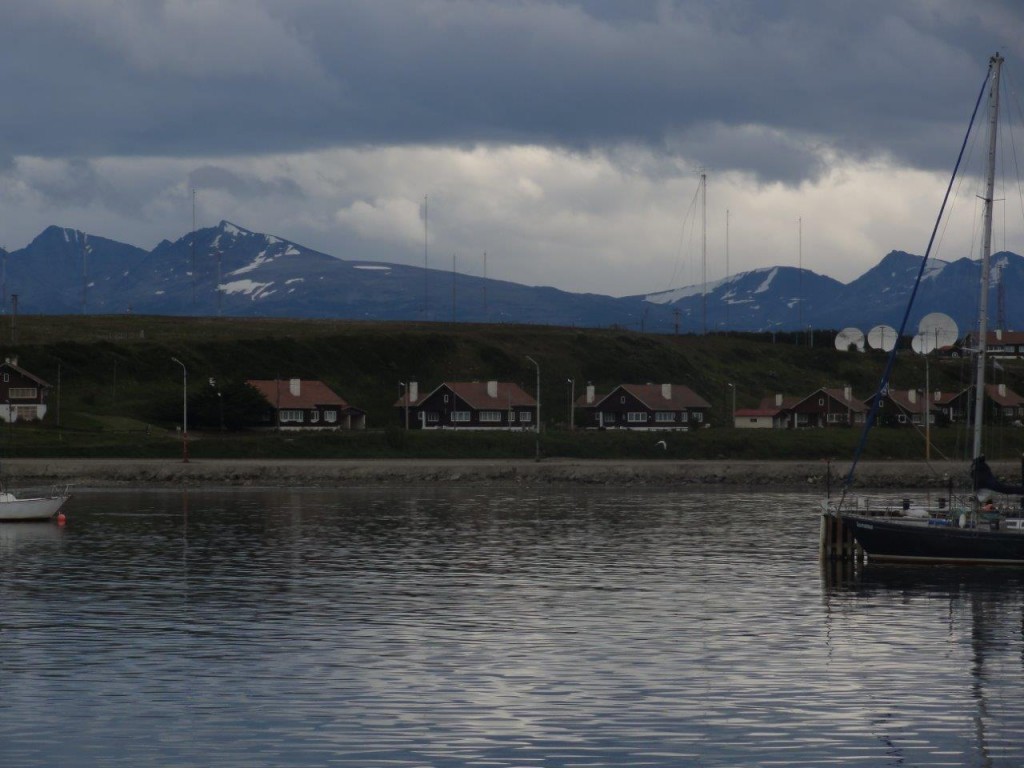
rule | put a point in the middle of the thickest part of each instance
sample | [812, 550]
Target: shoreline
[749, 474]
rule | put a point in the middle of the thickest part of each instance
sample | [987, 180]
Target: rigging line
[1013, 144]
[691, 211]
[877, 399]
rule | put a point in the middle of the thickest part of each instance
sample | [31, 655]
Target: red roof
[475, 394]
[771, 405]
[311, 394]
[1005, 398]
[653, 397]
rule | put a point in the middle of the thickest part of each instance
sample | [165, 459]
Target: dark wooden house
[304, 404]
[829, 407]
[1003, 405]
[644, 407]
[906, 408]
[467, 405]
[22, 394]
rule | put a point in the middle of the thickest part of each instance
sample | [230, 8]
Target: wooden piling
[836, 542]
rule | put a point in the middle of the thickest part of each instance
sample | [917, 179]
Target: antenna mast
[704, 251]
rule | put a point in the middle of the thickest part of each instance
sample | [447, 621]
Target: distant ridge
[66, 272]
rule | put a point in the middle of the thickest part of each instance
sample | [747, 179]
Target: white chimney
[999, 334]
[912, 396]
[590, 393]
[666, 391]
[1002, 390]
[778, 399]
[847, 393]
[492, 389]
[937, 395]
[295, 387]
[414, 391]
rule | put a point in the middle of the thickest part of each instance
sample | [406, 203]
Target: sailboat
[15, 509]
[960, 531]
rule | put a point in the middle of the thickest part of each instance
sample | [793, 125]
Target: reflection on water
[497, 628]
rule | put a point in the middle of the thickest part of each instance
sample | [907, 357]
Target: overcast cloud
[562, 138]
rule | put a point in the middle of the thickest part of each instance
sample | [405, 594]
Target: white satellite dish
[882, 337]
[936, 331]
[850, 337]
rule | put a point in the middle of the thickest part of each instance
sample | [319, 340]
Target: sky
[564, 140]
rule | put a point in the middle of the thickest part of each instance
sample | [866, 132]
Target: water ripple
[447, 628]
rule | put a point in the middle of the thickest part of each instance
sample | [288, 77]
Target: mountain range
[228, 270]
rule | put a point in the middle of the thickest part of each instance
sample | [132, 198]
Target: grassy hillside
[120, 392]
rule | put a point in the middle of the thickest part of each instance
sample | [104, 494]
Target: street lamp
[184, 410]
[405, 401]
[733, 388]
[572, 410]
[537, 428]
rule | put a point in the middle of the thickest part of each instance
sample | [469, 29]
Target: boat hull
[28, 510]
[888, 540]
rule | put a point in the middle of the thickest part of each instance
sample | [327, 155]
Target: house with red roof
[906, 407]
[829, 407]
[644, 407]
[467, 405]
[771, 413]
[1003, 405]
[22, 394]
[306, 404]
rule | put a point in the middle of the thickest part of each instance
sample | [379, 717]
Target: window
[608, 418]
[821, 401]
[836, 418]
[511, 417]
[330, 416]
[526, 417]
[314, 417]
[664, 416]
[288, 414]
[684, 416]
[23, 393]
[446, 398]
[635, 417]
[460, 416]
[622, 399]
[491, 417]
[432, 417]
[698, 416]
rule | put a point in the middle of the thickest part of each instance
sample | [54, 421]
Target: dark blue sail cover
[984, 479]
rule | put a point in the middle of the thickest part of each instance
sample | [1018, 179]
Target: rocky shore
[780, 475]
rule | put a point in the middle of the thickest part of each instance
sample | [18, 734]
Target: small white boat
[13, 509]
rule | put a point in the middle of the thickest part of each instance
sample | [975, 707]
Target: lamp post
[733, 388]
[405, 401]
[184, 410]
[572, 402]
[537, 427]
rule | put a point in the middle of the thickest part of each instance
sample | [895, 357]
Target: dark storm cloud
[751, 86]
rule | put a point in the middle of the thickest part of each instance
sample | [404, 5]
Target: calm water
[532, 628]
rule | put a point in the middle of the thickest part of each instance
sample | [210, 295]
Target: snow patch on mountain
[766, 284]
[249, 288]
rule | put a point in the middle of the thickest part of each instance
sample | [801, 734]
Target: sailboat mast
[986, 251]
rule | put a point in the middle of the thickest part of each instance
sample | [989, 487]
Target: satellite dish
[936, 331]
[882, 337]
[850, 337]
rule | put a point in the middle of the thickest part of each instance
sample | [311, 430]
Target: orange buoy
[61, 519]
